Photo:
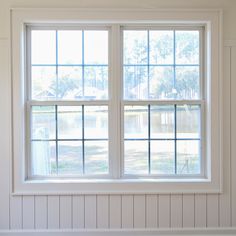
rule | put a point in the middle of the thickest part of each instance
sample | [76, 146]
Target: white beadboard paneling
[28, 212]
[139, 211]
[115, 211]
[164, 211]
[200, 210]
[212, 210]
[152, 211]
[90, 211]
[225, 216]
[127, 211]
[53, 212]
[5, 135]
[78, 212]
[65, 212]
[233, 135]
[16, 212]
[176, 210]
[41, 216]
[188, 210]
[102, 211]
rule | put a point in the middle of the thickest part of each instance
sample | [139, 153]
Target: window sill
[115, 186]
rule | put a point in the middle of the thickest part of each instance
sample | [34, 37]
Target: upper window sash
[85, 60]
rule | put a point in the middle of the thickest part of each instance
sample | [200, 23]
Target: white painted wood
[176, 210]
[152, 211]
[212, 210]
[103, 211]
[28, 212]
[16, 212]
[78, 212]
[139, 211]
[53, 212]
[41, 216]
[65, 212]
[225, 211]
[233, 136]
[115, 211]
[200, 210]
[90, 211]
[188, 210]
[164, 211]
[127, 211]
[5, 135]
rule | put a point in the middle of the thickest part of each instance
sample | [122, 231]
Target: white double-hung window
[116, 105]
[68, 101]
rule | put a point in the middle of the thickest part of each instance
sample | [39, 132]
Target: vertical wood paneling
[16, 212]
[127, 211]
[200, 210]
[225, 216]
[102, 211]
[90, 212]
[188, 210]
[78, 212]
[5, 136]
[65, 212]
[176, 211]
[152, 211]
[212, 210]
[115, 211]
[41, 212]
[233, 135]
[53, 212]
[164, 211]
[139, 211]
[28, 212]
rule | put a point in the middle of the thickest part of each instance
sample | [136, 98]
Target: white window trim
[211, 19]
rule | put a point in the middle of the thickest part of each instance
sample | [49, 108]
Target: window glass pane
[43, 158]
[96, 157]
[43, 122]
[95, 122]
[135, 82]
[70, 47]
[70, 158]
[43, 82]
[69, 122]
[95, 82]
[136, 157]
[43, 47]
[162, 122]
[135, 47]
[69, 84]
[187, 47]
[162, 157]
[161, 82]
[136, 122]
[188, 157]
[188, 121]
[187, 82]
[96, 47]
[161, 45]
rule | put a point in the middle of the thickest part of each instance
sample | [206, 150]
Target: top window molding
[210, 19]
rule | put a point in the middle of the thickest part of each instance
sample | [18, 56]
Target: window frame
[212, 21]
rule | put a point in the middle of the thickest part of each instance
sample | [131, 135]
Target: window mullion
[114, 104]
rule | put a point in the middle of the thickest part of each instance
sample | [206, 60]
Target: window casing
[206, 180]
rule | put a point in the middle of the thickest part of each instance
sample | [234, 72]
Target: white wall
[121, 211]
